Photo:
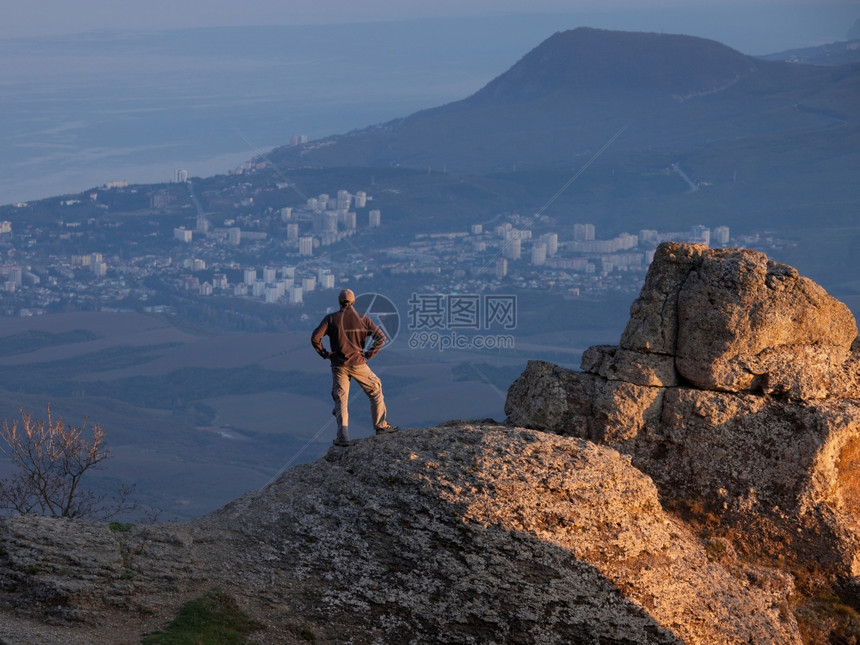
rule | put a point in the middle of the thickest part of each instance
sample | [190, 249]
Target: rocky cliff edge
[465, 533]
[735, 385]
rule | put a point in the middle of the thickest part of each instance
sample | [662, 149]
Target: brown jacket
[347, 332]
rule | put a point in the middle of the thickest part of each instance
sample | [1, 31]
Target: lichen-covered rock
[736, 304]
[722, 313]
[640, 368]
[456, 534]
[653, 324]
[550, 398]
[760, 416]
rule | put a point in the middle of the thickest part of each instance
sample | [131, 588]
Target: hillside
[568, 96]
[771, 147]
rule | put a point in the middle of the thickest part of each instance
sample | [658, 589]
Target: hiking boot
[342, 437]
[386, 429]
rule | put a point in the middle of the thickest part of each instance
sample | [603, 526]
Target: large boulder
[735, 383]
[730, 317]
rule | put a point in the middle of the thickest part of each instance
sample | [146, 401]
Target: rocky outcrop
[456, 534]
[732, 320]
[734, 382]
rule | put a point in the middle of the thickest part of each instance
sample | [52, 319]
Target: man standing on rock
[347, 332]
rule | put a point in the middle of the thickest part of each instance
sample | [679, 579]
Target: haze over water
[79, 111]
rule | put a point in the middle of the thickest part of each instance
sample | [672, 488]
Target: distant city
[512, 251]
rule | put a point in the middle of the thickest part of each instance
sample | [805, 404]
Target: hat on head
[346, 297]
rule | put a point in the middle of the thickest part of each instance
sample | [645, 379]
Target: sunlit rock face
[732, 320]
[734, 382]
[464, 533]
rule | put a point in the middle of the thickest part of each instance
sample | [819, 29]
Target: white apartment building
[551, 241]
[512, 249]
[700, 235]
[649, 236]
[538, 254]
[344, 200]
[501, 268]
[583, 232]
[296, 295]
[182, 234]
[347, 220]
[273, 294]
[720, 236]
[627, 241]
[306, 245]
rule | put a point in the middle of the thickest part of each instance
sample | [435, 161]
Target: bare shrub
[50, 460]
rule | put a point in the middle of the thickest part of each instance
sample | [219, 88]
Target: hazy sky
[736, 22]
[81, 111]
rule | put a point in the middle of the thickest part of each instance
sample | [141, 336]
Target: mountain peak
[565, 99]
[595, 59]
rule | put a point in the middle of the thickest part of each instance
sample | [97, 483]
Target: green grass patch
[212, 619]
[120, 527]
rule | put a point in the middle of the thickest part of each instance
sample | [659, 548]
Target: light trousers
[368, 381]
